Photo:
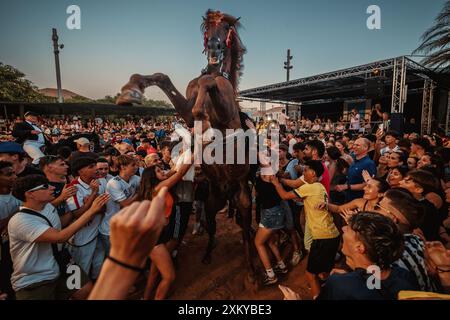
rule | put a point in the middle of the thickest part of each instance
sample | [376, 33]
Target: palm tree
[436, 43]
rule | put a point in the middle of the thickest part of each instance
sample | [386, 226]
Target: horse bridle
[228, 42]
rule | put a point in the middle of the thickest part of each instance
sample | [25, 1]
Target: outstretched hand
[289, 294]
[321, 206]
[136, 228]
[347, 214]
[366, 176]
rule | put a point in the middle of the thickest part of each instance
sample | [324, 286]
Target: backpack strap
[55, 250]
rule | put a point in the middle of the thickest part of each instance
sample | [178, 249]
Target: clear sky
[119, 38]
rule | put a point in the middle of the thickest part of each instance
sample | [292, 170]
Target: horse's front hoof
[129, 96]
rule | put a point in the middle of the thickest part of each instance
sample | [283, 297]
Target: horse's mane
[214, 18]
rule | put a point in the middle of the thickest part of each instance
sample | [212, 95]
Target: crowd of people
[111, 199]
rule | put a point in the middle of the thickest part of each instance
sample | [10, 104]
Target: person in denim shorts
[273, 218]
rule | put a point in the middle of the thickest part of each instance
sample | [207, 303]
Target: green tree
[436, 42]
[108, 99]
[15, 88]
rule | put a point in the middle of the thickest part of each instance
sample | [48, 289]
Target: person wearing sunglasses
[32, 232]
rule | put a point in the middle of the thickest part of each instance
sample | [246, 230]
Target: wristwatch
[349, 186]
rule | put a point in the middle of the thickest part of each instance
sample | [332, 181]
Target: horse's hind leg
[244, 206]
[213, 204]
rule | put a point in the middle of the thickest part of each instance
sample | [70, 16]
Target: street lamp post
[56, 48]
[288, 67]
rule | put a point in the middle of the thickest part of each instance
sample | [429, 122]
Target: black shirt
[202, 191]
[29, 170]
[431, 221]
[166, 166]
[154, 143]
[374, 117]
[267, 195]
[59, 186]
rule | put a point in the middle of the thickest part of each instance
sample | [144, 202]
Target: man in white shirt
[354, 121]
[103, 169]
[122, 190]
[84, 246]
[34, 233]
[31, 146]
[390, 138]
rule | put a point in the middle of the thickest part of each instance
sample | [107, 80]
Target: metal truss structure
[401, 74]
[427, 106]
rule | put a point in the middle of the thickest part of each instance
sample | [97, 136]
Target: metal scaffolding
[398, 85]
[401, 74]
[427, 106]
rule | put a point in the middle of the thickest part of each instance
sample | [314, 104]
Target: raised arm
[55, 236]
[174, 179]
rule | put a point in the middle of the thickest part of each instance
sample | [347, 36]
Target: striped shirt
[413, 260]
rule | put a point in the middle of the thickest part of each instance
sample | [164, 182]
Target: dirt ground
[224, 277]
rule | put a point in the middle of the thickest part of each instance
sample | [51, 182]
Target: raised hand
[95, 185]
[99, 202]
[347, 214]
[366, 176]
[67, 192]
[288, 293]
[135, 229]
[321, 206]
[379, 134]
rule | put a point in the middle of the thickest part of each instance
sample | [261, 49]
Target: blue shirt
[354, 175]
[353, 286]
[160, 134]
[291, 169]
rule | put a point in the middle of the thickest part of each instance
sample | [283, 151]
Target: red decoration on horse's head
[230, 37]
[205, 41]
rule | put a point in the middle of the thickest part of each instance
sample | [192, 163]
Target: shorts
[51, 290]
[89, 257]
[273, 218]
[322, 254]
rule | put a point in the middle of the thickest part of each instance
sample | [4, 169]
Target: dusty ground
[224, 277]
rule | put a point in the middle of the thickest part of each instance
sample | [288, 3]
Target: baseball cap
[82, 141]
[11, 147]
[81, 163]
[30, 113]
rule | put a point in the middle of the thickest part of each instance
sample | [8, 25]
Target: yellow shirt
[320, 222]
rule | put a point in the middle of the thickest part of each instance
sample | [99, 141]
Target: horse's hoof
[206, 259]
[129, 96]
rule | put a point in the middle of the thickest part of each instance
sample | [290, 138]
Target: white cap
[82, 141]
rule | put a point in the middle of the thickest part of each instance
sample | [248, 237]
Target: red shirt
[326, 178]
[149, 149]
